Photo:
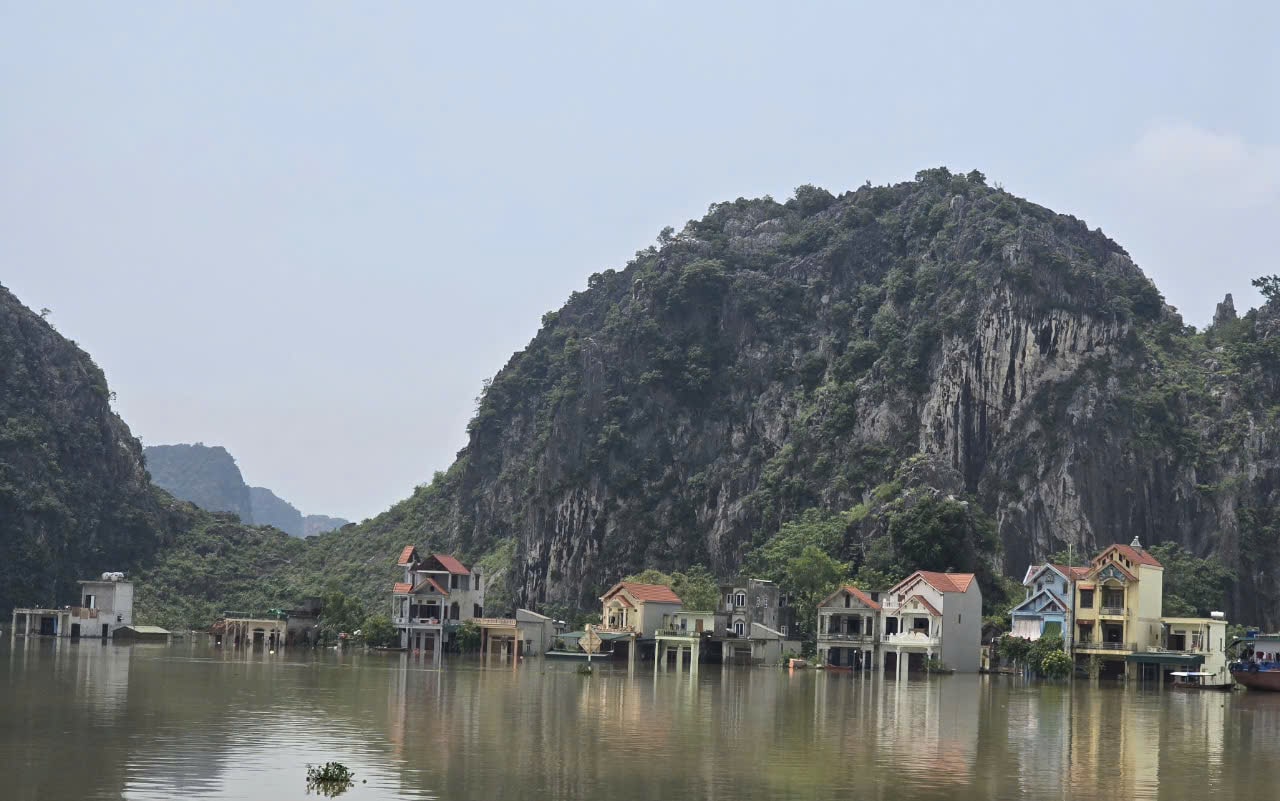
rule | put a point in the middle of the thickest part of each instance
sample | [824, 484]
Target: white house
[932, 615]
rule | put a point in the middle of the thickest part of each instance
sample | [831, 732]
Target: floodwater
[89, 720]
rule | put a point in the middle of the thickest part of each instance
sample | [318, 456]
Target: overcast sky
[308, 232]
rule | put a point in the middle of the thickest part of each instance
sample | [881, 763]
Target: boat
[1257, 665]
[1185, 680]
[579, 655]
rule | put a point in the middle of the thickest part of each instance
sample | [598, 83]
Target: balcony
[1113, 611]
[416, 622]
[1106, 646]
[912, 638]
[834, 636]
[602, 629]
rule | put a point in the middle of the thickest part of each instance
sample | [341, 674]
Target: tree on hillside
[809, 578]
[1193, 587]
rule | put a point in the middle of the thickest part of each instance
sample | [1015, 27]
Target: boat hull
[1258, 680]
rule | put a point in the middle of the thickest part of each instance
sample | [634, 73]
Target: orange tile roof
[1137, 556]
[923, 602]
[406, 556]
[856, 593]
[1071, 572]
[430, 582]
[946, 582]
[658, 593]
[401, 588]
[451, 564]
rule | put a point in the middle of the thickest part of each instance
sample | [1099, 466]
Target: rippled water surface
[93, 721]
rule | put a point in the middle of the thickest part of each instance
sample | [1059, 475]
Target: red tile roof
[1070, 572]
[451, 564]
[1137, 555]
[658, 593]
[856, 593]
[406, 556]
[401, 588]
[923, 602]
[430, 582]
[946, 582]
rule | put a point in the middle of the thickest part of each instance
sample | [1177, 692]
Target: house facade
[932, 615]
[1047, 608]
[104, 605]
[751, 600]
[639, 609]
[1118, 606]
[849, 629]
[437, 594]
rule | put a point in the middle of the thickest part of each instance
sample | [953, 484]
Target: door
[106, 629]
[75, 629]
[697, 626]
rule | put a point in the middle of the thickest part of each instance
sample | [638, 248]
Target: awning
[1157, 658]
[1084, 586]
[1084, 622]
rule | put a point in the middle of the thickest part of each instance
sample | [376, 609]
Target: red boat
[1257, 664]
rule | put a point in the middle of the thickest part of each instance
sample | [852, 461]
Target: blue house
[1047, 610]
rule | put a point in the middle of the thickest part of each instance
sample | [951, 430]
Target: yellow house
[1118, 603]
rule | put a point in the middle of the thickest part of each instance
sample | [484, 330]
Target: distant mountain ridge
[207, 475]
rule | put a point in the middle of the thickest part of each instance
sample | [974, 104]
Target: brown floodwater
[89, 720]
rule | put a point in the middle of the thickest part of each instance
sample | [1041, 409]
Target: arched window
[739, 628]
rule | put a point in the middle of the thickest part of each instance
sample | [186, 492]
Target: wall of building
[1145, 614]
[962, 629]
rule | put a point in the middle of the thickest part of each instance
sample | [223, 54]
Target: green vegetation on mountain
[934, 374]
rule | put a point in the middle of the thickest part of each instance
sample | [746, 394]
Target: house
[1118, 604]
[931, 615]
[1186, 644]
[247, 630]
[849, 629]
[1047, 608]
[753, 600]
[538, 632]
[641, 609]
[753, 624]
[436, 595]
[106, 605]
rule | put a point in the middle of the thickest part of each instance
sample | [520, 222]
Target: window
[739, 628]
[958, 618]
[453, 582]
[784, 629]
[90, 602]
[847, 601]
[782, 601]
[740, 599]
[1086, 599]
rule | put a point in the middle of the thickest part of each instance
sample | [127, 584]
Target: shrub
[1056, 665]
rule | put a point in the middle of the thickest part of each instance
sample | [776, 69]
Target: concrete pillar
[28, 632]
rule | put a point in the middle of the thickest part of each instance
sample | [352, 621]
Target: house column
[697, 647]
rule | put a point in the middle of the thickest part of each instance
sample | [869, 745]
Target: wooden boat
[1197, 681]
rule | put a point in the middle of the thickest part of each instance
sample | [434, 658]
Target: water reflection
[88, 720]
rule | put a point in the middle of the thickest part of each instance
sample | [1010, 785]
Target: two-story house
[1118, 605]
[849, 629]
[932, 615]
[437, 594]
[1047, 608]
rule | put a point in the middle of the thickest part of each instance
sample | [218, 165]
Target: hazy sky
[308, 232]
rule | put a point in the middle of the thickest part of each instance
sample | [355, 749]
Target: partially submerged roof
[156, 630]
[653, 593]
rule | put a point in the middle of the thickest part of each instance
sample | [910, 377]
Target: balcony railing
[417, 621]
[836, 635]
[1106, 646]
[614, 629]
[910, 638]
[1113, 611]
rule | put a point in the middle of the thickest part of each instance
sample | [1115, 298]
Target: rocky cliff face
[74, 497]
[208, 477]
[774, 357]
[205, 475]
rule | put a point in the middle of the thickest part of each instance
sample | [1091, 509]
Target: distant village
[1107, 615]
